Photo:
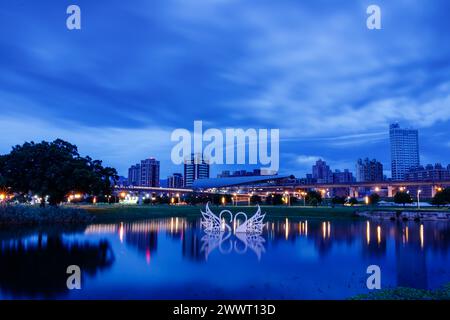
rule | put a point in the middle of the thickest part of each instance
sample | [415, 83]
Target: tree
[338, 200]
[55, 169]
[442, 197]
[403, 198]
[352, 201]
[374, 198]
[313, 195]
[274, 199]
[255, 199]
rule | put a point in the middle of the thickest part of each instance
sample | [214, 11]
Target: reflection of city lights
[368, 232]
[286, 228]
[121, 232]
[379, 234]
[306, 227]
[324, 229]
[176, 224]
[421, 236]
[329, 229]
[147, 255]
[406, 233]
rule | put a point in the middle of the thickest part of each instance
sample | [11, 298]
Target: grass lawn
[116, 213]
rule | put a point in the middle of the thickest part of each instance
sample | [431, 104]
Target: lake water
[172, 258]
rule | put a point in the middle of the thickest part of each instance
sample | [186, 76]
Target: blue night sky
[140, 69]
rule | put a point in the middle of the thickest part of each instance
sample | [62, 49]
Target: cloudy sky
[138, 70]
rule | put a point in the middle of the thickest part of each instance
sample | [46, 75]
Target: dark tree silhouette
[54, 169]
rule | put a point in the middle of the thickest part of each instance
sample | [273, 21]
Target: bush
[255, 199]
[442, 197]
[403, 198]
[352, 201]
[313, 198]
[374, 198]
[338, 200]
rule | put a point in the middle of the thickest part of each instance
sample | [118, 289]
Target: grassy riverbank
[103, 213]
[131, 212]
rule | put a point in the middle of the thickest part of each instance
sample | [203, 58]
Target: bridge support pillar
[390, 191]
[353, 192]
[433, 191]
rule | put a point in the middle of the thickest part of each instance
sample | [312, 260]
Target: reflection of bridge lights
[368, 232]
[378, 234]
[286, 228]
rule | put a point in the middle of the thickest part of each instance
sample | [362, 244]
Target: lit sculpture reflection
[226, 243]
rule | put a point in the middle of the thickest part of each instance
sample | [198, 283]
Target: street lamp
[303, 193]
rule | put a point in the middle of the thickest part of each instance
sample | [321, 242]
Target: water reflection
[304, 258]
[228, 242]
[35, 266]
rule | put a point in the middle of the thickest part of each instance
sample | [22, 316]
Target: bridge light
[123, 194]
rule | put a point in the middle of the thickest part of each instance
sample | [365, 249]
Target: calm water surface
[174, 258]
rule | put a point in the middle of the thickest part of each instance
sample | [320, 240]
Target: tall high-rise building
[369, 170]
[149, 173]
[404, 150]
[196, 167]
[134, 175]
[321, 172]
[175, 181]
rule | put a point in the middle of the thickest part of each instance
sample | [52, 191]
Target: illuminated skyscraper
[195, 168]
[404, 150]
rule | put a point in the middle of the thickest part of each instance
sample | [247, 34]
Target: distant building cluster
[428, 173]
[147, 173]
[144, 174]
[405, 166]
[369, 170]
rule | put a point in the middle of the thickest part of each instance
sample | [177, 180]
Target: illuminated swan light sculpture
[213, 223]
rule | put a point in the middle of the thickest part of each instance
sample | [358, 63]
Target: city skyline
[335, 107]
